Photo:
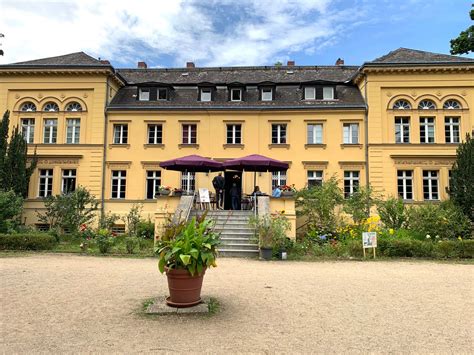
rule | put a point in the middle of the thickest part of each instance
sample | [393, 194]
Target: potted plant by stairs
[271, 229]
[185, 252]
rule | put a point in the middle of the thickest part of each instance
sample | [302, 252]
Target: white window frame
[188, 181]
[155, 177]
[73, 126]
[279, 130]
[348, 133]
[425, 124]
[279, 178]
[232, 94]
[158, 94]
[45, 175]
[28, 129]
[404, 180]
[450, 123]
[121, 184]
[267, 94]
[144, 94]
[328, 93]
[310, 93]
[67, 174]
[50, 132]
[314, 133]
[315, 176]
[119, 133]
[403, 128]
[233, 136]
[153, 137]
[353, 176]
[205, 95]
[188, 139]
[428, 181]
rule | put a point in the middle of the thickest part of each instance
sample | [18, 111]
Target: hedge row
[30, 241]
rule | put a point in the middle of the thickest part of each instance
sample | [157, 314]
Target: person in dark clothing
[235, 196]
[219, 183]
[256, 191]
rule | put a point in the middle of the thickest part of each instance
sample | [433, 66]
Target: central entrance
[232, 177]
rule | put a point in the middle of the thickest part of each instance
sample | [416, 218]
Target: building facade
[394, 122]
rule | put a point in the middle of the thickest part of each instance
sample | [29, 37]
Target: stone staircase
[237, 236]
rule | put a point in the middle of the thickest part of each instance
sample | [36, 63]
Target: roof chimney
[142, 65]
[190, 65]
[104, 61]
[339, 61]
[290, 63]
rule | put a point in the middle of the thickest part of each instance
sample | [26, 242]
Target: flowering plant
[288, 188]
[164, 187]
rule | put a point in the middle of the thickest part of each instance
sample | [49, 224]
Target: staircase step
[237, 233]
[237, 240]
[239, 246]
[238, 253]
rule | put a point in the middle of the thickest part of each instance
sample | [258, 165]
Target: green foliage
[146, 229]
[392, 212]
[132, 219]
[15, 172]
[318, 204]
[193, 247]
[464, 43]
[11, 206]
[69, 211]
[107, 220]
[444, 220]
[131, 244]
[38, 241]
[359, 203]
[462, 178]
[104, 240]
[271, 229]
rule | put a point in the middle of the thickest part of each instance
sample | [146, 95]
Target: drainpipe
[366, 128]
[104, 154]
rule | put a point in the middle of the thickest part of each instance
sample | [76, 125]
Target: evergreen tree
[462, 178]
[14, 170]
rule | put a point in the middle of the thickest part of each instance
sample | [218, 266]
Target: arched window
[401, 105]
[452, 105]
[51, 107]
[74, 106]
[426, 105]
[28, 107]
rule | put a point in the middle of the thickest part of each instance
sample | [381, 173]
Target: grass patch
[214, 306]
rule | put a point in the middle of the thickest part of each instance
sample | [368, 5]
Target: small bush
[130, 244]
[38, 241]
[146, 229]
[392, 212]
[104, 240]
[447, 249]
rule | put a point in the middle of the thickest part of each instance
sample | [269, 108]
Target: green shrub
[359, 203]
[466, 249]
[447, 249]
[146, 229]
[392, 212]
[11, 206]
[354, 248]
[37, 241]
[130, 244]
[104, 240]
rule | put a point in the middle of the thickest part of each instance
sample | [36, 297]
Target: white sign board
[369, 240]
[204, 196]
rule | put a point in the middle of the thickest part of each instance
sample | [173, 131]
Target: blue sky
[167, 33]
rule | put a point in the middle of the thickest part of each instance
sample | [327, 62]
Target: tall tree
[15, 171]
[462, 178]
[464, 43]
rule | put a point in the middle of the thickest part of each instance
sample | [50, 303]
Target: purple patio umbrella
[192, 163]
[255, 162]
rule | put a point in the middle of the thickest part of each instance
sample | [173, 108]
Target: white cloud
[209, 32]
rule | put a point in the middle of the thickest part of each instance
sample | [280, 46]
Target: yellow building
[394, 122]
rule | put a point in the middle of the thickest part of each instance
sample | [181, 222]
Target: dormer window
[310, 93]
[205, 94]
[144, 94]
[235, 94]
[267, 94]
[328, 93]
[162, 94]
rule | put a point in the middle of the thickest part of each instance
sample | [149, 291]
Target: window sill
[119, 146]
[284, 146]
[196, 146]
[348, 145]
[239, 146]
[146, 146]
[319, 145]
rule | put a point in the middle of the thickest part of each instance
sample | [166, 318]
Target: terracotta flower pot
[185, 290]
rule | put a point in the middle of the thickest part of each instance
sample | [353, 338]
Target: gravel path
[64, 303]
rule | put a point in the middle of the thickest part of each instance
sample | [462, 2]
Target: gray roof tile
[72, 59]
[413, 56]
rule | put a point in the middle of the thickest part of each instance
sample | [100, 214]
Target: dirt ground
[65, 303]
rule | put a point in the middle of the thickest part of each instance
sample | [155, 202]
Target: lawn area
[72, 303]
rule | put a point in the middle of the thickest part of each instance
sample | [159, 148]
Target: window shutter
[319, 93]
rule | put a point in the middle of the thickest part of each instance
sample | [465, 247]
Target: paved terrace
[64, 303]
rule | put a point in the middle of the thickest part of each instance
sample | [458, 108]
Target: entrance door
[232, 177]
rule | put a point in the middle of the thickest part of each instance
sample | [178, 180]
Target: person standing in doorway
[235, 196]
[219, 183]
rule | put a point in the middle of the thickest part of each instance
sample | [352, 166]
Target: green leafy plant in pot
[185, 252]
[271, 230]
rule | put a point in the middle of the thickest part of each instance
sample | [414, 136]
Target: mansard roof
[246, 75]
[414, 56]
